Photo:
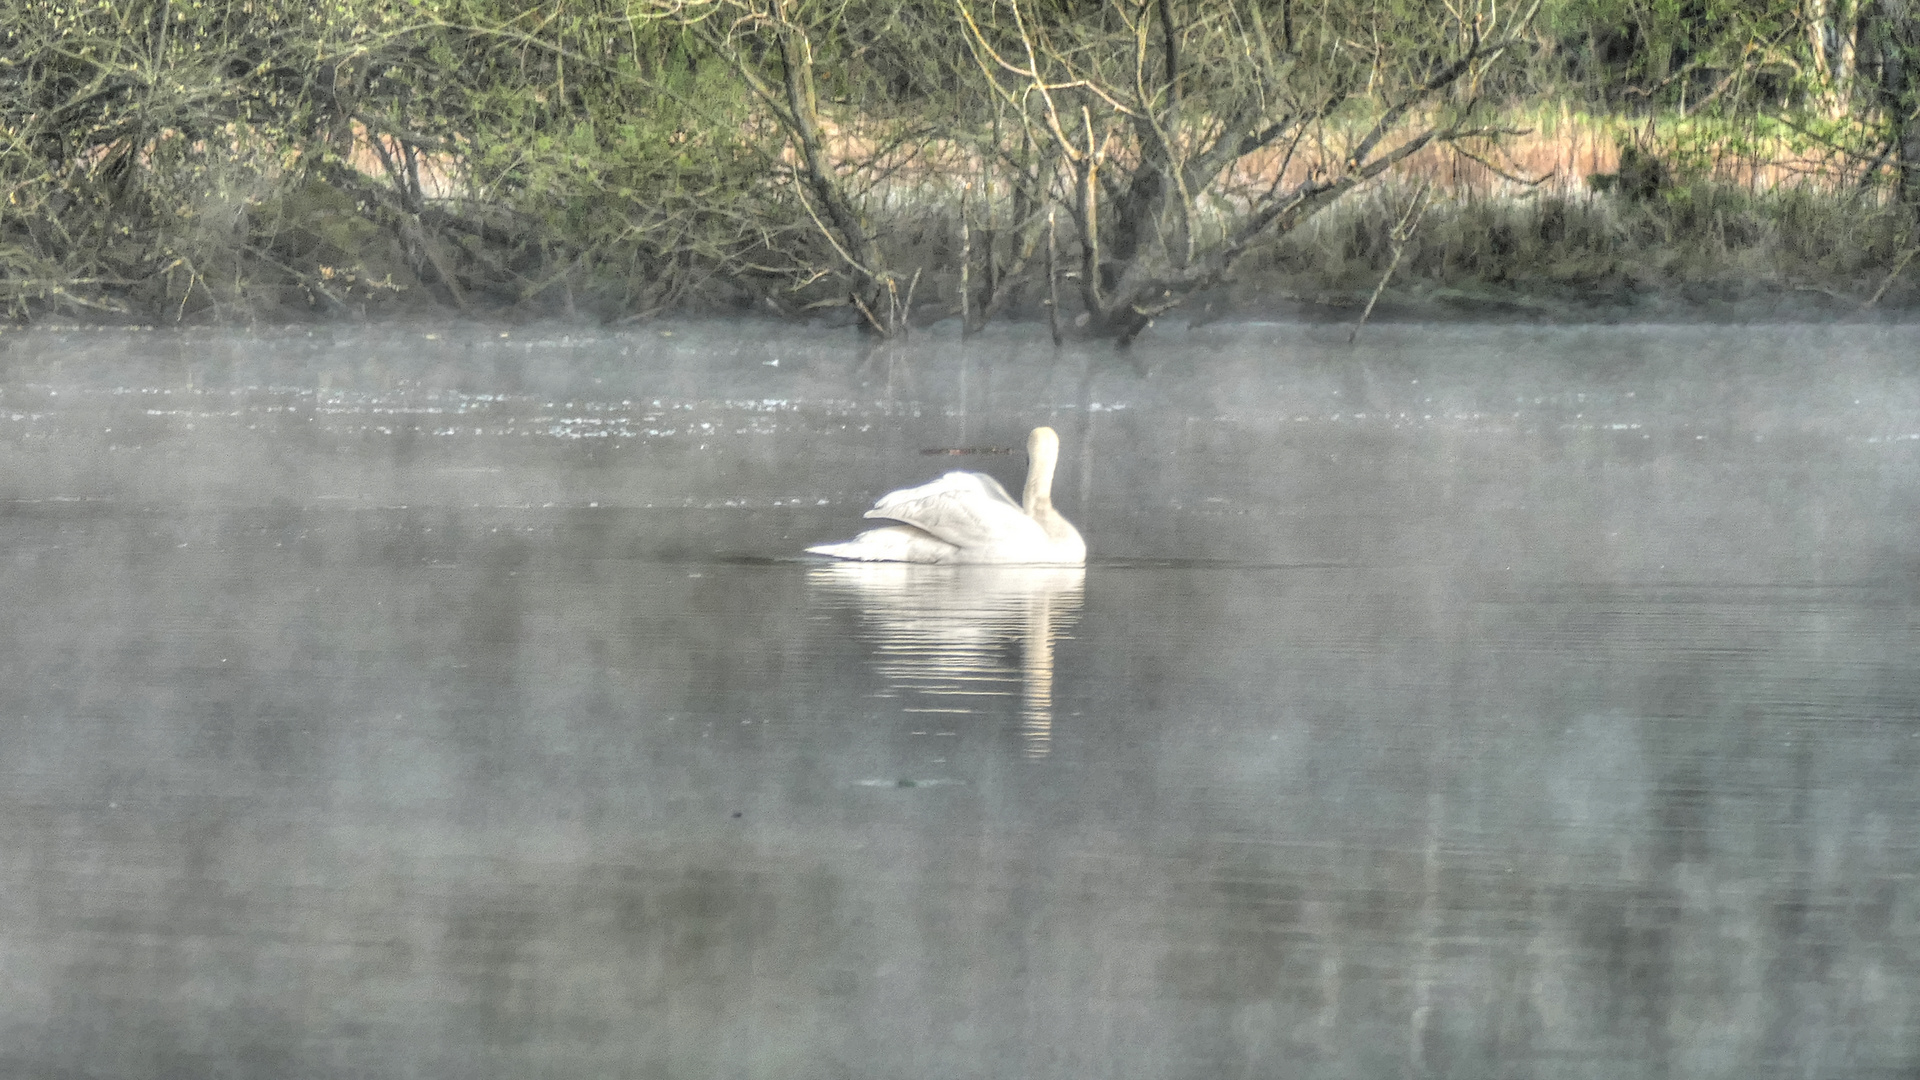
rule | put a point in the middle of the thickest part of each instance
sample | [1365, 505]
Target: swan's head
[1043, 443]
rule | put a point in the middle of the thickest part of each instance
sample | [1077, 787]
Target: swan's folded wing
[895, 543]
[966, 509]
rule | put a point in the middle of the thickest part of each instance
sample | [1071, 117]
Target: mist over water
[1474, 701]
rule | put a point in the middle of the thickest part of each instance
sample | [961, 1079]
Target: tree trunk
[1898, 43]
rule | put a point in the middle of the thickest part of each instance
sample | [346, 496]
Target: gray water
[456, 702]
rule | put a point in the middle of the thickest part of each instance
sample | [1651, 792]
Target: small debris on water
[905, 782]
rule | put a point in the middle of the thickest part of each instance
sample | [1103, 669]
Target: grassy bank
[1712, 249]
[259, 243]
[196, 161]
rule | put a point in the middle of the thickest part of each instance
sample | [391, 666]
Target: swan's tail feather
[896, 543]
[846, 549]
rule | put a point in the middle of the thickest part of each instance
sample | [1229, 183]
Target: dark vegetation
[897, 162]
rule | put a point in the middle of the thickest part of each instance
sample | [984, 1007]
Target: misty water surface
[455, 702]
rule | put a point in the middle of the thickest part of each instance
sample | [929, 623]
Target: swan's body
[968, 518]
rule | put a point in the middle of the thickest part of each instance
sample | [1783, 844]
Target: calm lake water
[456, 703]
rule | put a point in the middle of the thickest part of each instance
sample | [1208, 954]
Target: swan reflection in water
[942, 634]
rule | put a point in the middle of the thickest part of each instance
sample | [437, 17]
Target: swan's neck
[1042, 451]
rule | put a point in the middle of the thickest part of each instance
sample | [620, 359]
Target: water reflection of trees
[941, 634]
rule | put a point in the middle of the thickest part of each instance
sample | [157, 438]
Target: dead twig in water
[966, 265]
[1053, 281]
[1399, 236]
[1899, 265]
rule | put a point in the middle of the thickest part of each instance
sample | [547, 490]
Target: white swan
[968, 518]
